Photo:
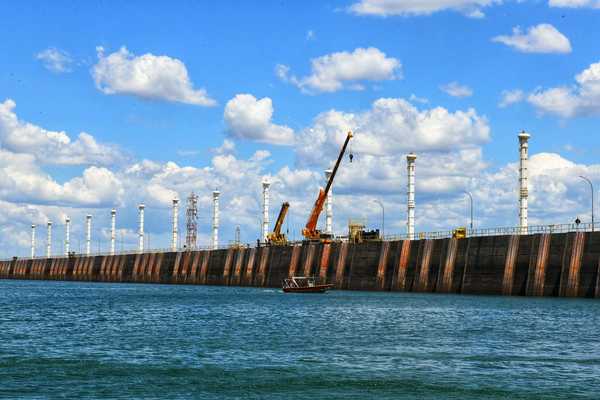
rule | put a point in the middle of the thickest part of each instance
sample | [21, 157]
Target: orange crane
[276, 237]
[310, 231]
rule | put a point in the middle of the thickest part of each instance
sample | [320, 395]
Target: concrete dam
[547, 264]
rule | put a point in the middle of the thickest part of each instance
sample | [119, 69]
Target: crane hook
[351, 156]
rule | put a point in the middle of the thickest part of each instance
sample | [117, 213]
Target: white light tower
[49, 240]
[410, 223]
[32, 240]
[113, 230]
[523, 184]
[265, 227]
[141, 228]
[175, 229]
[329, 205]
[88, 234]
[215, 235]
[67, 235]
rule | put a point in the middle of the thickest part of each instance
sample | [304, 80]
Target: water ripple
[88, 340]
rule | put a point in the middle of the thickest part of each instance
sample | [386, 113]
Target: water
[88, 340]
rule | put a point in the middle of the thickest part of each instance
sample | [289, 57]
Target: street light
[592, 188]
[471, 198]
[382, 217]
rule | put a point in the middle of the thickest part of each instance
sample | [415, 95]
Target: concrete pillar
[175, 229]
[523, 181]
[215, 227]
[49, 240]
[410, 223]
[88, 234]
[67, 235]
[141, 227]
[32, 240]
[329, 206]
[265, 227]
[113, 230]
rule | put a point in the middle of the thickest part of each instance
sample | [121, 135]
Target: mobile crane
[310, 231]
[276, 237]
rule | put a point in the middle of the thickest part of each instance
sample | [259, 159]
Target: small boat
[304, 284]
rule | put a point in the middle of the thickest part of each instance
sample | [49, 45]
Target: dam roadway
[546, 264]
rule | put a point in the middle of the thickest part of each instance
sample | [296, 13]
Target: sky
[106, 104]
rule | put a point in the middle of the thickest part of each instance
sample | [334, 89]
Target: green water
[85, 340]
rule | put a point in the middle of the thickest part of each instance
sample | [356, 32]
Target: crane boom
[276, 237]
[310, 230]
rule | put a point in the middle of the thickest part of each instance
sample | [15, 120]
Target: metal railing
[511, 230]
[119, 253]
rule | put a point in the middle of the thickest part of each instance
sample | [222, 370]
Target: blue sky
[234, 48]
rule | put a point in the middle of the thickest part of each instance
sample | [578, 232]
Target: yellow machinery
[358, 234]
[310, 231]
[276, 237]
[459, 233]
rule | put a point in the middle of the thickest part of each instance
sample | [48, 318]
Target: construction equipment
[358, 234]
[459, 233]
[310, 231]
[276, 237]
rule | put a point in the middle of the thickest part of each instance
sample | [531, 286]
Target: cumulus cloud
[542, 38]
[239, 181]
[509, 97]
[344, 70]
[450, 160]
[392, 126]
[51, 147]
[455, 89]
[21, 179]
[147, 76]
[570, 101]
[556, 193]
[247, 117]
[384, 8]
[55, 60]
[575, 3]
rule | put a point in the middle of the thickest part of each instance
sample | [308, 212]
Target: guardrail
[511, 230]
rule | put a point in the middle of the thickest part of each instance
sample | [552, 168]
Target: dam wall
[547, 264]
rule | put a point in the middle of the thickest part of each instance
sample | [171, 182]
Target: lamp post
[382, 217]
[592, 188]
[471, 202]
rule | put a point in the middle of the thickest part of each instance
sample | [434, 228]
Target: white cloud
[556, 193]
[570, 101]
[249, 118]
[310, 35]
[450, 160]
[384, 8]
[575, 3]
[55, 60]
[228, 146]
[455, 89]
[344, 70]
[392, 126]
[22, 180]
[542, 38]
[147, 76]
[51, 147]
[414, 98]
[511, 97]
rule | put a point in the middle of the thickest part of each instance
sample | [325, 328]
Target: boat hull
[310, 289]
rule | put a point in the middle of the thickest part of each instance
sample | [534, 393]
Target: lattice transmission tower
[191, 221]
